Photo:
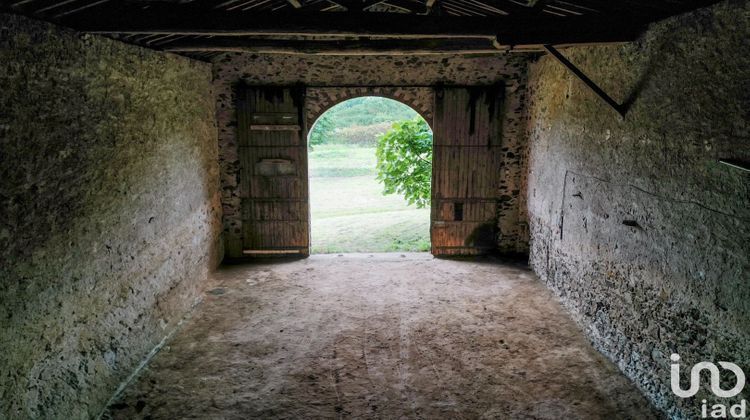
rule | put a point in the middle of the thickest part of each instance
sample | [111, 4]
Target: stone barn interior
[590, 210]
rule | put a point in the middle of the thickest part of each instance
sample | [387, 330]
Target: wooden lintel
[361, 47]
[430, 46]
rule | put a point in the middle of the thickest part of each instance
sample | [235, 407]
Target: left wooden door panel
[273, 171]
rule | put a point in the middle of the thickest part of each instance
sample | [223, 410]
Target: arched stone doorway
[320, 99]
[267, 210]
[351, 208]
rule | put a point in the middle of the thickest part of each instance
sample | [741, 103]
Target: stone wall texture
[634, 224]
[109, 211]
[332, 79]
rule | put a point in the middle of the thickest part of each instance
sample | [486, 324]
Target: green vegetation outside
[350, 213]
[359, 121]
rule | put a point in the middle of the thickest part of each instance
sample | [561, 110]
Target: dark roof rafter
[508, 30]
[341, 47]
[204, 28]
[643, 9]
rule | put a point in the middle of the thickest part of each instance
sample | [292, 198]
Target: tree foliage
[405, 161]
[322, 130]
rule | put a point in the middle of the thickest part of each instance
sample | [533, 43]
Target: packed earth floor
[386, 336]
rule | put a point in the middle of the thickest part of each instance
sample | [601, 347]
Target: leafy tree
[405, 161]
[322, 130]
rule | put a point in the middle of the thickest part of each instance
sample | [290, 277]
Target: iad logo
[718, 411]
[695, 378]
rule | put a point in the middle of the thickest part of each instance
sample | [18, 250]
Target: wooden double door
[274, 189]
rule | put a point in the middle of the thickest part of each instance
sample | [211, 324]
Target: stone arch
[321, 99]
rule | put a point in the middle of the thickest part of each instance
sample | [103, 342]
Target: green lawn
[349, 211]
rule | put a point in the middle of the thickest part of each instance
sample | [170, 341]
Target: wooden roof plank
[80, 8]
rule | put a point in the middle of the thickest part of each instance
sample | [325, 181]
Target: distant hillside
[359, 121]
[369, 110]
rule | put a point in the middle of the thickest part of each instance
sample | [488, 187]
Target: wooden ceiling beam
[348, 47]
[356, 6]
[508, 30]
[319, 6]
[411, 6]
[510, 7]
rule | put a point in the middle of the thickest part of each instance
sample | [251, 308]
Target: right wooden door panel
[467, 159]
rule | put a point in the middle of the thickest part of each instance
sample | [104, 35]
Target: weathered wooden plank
[262, 138]
[464, 234]
[274, 118]
[275, 235]
[272, 210]
[467, 172]
[458, 251]
[471, 211]
[266, 252]
[274, 127]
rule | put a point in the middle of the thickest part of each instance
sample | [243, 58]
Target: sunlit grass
[339, 160]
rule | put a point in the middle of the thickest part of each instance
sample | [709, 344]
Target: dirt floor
[380, 336]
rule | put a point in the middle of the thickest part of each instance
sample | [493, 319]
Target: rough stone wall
[634, 223]
[109, 211]
[333, 79]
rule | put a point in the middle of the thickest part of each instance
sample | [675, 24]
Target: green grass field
[349, 211]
